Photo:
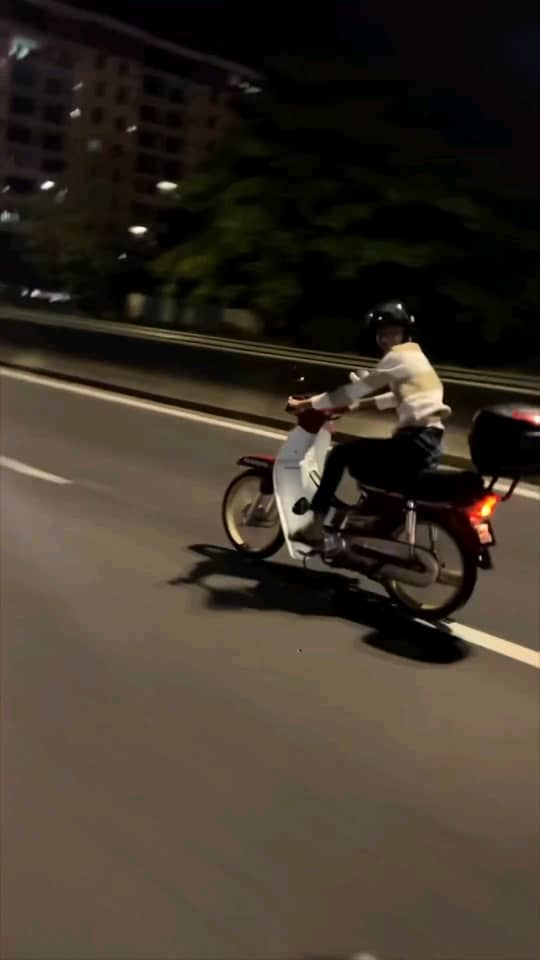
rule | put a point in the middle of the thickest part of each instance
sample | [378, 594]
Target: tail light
[485, 507]
[529, 416]
[480, 514]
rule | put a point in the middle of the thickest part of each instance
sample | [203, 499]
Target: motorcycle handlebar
[333, 414]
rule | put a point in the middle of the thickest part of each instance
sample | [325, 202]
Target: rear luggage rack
[505, 496]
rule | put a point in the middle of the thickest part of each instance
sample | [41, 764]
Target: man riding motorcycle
[414, 390]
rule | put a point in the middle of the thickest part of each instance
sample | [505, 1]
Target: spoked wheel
[251, 518]
[457, 572]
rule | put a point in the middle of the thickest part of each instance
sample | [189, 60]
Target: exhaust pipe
[416, 578]
[360, 554]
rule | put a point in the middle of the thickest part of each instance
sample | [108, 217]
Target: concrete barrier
[232, 381]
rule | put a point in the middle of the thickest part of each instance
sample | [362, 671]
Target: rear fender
[458, 522]
[263, 464]
[257, 461]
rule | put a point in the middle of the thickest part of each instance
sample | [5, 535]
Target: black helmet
[389, 314]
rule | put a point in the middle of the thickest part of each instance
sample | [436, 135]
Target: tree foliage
[74, 237]
[322, 203]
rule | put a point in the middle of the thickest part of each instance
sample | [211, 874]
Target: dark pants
[390, 464]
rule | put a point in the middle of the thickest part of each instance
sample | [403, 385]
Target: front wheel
[250, 517]
[458, 570]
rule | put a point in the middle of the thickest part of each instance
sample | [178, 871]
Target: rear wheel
[250, 516]
[458, 570]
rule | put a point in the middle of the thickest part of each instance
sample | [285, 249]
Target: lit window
[94, 146]
[166, 186]
[21, 47]
[10, 216]
[244, 85]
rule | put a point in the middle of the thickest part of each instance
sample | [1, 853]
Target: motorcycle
[423, 544]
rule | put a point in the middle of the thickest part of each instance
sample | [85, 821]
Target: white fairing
[300, 460]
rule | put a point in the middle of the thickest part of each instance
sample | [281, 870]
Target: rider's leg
[343, 455]
[379, 462]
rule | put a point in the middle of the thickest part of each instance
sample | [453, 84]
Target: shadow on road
[304, 592]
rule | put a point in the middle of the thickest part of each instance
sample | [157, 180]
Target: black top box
[505, 440]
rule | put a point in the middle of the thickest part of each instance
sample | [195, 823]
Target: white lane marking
[524, 490]
[29, 471]
[506, 648]
[164, 408]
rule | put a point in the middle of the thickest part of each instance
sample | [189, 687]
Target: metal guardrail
[498, 380]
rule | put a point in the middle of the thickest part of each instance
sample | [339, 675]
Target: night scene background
[213, 747]
[383, 151]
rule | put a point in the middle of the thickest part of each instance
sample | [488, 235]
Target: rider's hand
[298, 406]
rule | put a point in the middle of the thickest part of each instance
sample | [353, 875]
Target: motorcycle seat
[443, 485]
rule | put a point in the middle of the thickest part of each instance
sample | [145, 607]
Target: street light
[47, 185]
[138, 231]
[166, 186]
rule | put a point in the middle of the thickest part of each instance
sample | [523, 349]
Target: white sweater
[415, 389]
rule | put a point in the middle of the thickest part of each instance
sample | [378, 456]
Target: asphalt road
[201, 762]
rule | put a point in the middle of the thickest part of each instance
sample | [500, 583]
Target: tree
[76, 232]
[322, 203]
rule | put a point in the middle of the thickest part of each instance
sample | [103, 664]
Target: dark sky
[483, 56]
[417, 30]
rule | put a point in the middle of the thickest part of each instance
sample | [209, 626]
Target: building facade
[82, 94]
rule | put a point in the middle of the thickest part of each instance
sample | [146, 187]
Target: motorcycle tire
[457, 528]
[262, 553]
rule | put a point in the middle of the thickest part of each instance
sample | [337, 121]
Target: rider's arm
[349, 393]
[385, 401]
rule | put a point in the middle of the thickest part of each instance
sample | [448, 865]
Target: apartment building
[81, 93]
